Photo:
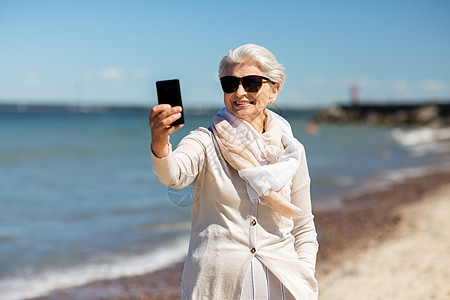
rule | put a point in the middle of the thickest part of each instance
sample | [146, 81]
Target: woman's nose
[240, 90]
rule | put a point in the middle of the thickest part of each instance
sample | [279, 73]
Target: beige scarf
[265, 161]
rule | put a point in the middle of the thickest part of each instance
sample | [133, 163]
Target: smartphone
[169, 92]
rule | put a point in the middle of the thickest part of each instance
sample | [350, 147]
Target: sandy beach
[411, 262]
[389, 244]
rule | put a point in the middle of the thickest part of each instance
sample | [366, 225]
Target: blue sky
[97, 52]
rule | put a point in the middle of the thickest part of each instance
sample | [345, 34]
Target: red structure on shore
[354, 95]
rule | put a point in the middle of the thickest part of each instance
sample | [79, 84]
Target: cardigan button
[253, 250]
[253, 222]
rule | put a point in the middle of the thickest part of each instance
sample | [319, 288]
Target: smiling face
[250, 106]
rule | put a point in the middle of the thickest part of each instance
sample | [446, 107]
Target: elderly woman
[252, 235]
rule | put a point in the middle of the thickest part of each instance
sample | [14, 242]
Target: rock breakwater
[435, 115]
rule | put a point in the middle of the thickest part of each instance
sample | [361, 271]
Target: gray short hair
[268, 63]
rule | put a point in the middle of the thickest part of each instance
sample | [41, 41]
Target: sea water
[79, 201]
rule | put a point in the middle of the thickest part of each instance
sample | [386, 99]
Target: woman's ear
[274, 92]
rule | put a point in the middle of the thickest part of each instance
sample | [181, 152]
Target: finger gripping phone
[169, 92]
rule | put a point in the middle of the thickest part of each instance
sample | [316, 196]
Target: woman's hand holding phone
[161, 118]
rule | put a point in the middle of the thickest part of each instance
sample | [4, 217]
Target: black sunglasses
[251, 83]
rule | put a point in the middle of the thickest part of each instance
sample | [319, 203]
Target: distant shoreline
[70, 108]
[383, 113]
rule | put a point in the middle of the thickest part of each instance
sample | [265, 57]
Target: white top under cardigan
[223, 238]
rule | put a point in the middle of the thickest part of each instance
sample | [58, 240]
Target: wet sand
[390, 244]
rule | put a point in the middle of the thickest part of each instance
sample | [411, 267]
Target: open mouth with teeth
[243, 103]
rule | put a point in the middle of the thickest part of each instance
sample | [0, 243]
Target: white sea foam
[424, 141]
[31, 284]
[420, 136]
[434, 148]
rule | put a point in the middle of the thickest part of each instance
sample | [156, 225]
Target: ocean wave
[424, 141]
[33, 283]
[433, 148]
[420, 136]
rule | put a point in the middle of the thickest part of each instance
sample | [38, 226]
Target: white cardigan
[228, 229]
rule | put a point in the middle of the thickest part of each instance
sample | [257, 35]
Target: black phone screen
[169, 92]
